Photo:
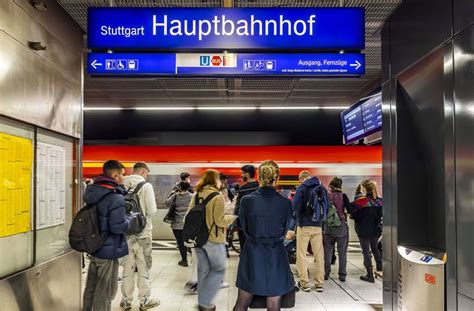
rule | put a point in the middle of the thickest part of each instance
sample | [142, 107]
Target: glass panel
[16, 196]
[54, 199]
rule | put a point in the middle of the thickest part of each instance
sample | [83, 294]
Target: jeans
[211, 269]
[178, 234]
[136, 260]
[304, 236]
[339, 235]
[368, 245]
[101, 285]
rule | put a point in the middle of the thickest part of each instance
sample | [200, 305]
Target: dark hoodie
[110, 201]
[301, 196]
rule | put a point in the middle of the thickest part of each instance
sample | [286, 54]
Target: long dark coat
[264, 269]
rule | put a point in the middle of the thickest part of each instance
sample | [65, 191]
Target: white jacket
[147, 201]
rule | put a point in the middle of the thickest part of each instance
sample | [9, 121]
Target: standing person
[367, 215]
[184, 176]
[308, 231]
[140, 258]
[336, 229]
[228, 195]
[180, 201]
[265, 216]
[102, 277]
[211, 256]
[248, 175]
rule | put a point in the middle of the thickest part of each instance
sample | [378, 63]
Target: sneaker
[191, 288]
[303, 288]
[183, 263]
[125, 305]
[224, 285]
[319, 289]
[149, 303]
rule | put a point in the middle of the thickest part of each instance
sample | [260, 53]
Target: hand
[290, 235]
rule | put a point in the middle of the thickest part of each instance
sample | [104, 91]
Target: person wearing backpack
[367, 215]
[139, 259]
[310, 206]
[210, 246]
[107, 195]
[336, 229]
[180, 203]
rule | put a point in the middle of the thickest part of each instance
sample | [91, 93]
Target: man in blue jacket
[308, 231]
[102, 278]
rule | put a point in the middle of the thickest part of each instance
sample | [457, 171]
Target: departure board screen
[362, 119]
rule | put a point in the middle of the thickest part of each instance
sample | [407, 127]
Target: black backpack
[84, 234]
[132, 206]
[195, 230]
[317, 203]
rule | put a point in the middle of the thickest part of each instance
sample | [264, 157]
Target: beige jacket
[215, 214]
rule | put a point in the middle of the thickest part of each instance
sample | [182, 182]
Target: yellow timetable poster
[16, 157]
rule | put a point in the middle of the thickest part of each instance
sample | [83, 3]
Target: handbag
[287, 301]
[171, 215]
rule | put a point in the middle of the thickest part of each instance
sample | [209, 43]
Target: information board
[362, 119]
[51, 185]
[16, 160]
[227, 64]
[226, 28]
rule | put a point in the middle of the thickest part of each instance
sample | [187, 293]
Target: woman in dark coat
[265, 217]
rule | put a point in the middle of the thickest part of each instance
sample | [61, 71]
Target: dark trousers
[102, 284]
[178, 234]
[339, 236]
[367, 246]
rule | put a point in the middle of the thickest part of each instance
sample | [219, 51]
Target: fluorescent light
[303, 107]
[164, 108]
[228, 108]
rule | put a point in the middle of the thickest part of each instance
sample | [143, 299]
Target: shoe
[224, 285]
[303, 288]
[326, 277]
[191, 288]
[319, 289]
[149, 303]
[367, 278]
[201, 308]
[183, 263]
[125, 305]
[342, 278]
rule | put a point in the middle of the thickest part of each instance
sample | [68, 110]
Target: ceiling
[148, 92]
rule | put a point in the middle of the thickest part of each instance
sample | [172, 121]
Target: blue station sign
[181, 29]
[228, 64]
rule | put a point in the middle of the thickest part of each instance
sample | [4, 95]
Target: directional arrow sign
[357, 65]
[95, 64]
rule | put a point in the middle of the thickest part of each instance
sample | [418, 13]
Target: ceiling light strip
[223, 108]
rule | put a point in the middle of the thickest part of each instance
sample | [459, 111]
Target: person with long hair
[265, 217]
[337, 232]
[212, 255]
[367, 215]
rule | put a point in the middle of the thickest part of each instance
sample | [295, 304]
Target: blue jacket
[263, 268]
[301, 196]
[109, 197]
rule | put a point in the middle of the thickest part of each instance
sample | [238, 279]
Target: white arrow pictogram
[357, 65]
[95, 63]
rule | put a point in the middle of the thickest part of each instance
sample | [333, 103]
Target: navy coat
[113, 222]
[264, 270]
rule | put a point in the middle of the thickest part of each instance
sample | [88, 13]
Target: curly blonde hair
[268, 173]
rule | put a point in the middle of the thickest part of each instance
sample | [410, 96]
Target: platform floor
[168, 280]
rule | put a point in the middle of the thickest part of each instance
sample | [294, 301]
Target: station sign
[228, 64]
[249, 29]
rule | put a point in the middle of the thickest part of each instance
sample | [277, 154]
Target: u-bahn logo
[204, 61]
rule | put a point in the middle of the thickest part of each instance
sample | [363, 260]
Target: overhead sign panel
[228, 64]
[226, 28]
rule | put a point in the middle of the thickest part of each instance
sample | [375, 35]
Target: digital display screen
[362, 119]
